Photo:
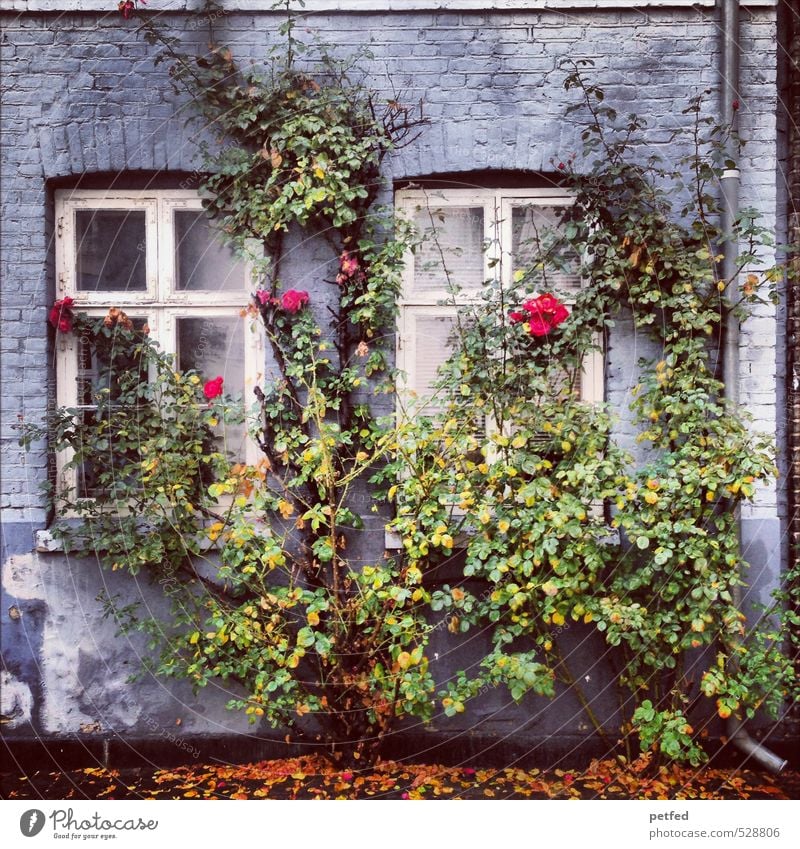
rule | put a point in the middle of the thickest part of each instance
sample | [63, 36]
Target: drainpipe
[729, 32]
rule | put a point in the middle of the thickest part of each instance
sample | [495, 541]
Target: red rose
[546, 312]
[61, 316]
[347, 776]
[128, 6]
[213, 388]
[293, 300]
[515, 316]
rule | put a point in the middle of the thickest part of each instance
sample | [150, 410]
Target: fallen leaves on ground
[313, 777]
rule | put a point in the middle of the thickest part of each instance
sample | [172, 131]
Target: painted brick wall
[82, 95]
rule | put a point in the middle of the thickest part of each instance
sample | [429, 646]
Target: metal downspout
[729, 33]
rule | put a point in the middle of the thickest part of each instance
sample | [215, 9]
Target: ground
[315, 778]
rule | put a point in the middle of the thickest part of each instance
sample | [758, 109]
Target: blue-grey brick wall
[82, 95]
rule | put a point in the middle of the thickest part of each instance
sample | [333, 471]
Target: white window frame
[497, 205]
[160, 305]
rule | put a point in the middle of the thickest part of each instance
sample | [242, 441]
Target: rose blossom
[61, 315]
[543, 314]
[293, 300]
[213, 388]
[348, 268]
[264, 298]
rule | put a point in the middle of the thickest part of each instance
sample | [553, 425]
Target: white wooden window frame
[497, 205]
[160, 305]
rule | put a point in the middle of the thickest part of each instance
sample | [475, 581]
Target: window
[466, 221]
[156, 256]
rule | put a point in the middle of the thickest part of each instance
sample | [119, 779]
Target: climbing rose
[117, 317]
[126, 7]
[213, 388]
[61, 316]
[264, 298]
[543, 314]
[348, 268]
[293, 300]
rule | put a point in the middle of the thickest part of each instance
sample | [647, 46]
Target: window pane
[212, 346]
[533, 232]
[432, 347]
[202, 260]
[110, 250]
[453, 243]
[99, 366]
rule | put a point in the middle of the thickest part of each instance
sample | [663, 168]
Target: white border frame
[345, 6]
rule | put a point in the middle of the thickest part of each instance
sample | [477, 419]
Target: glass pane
[453, 243]
[99, 366]
[202, 260]
[533, 233]
[110, 250]
[214, 346]
[432, 347]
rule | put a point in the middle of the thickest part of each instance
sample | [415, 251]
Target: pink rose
[293, 300]
[213, 388]
[264, 298]
[348, 268]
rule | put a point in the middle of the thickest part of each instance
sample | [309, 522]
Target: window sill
[46, 543]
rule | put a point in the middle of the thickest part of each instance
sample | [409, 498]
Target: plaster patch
[22, 577]
[16, 701]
